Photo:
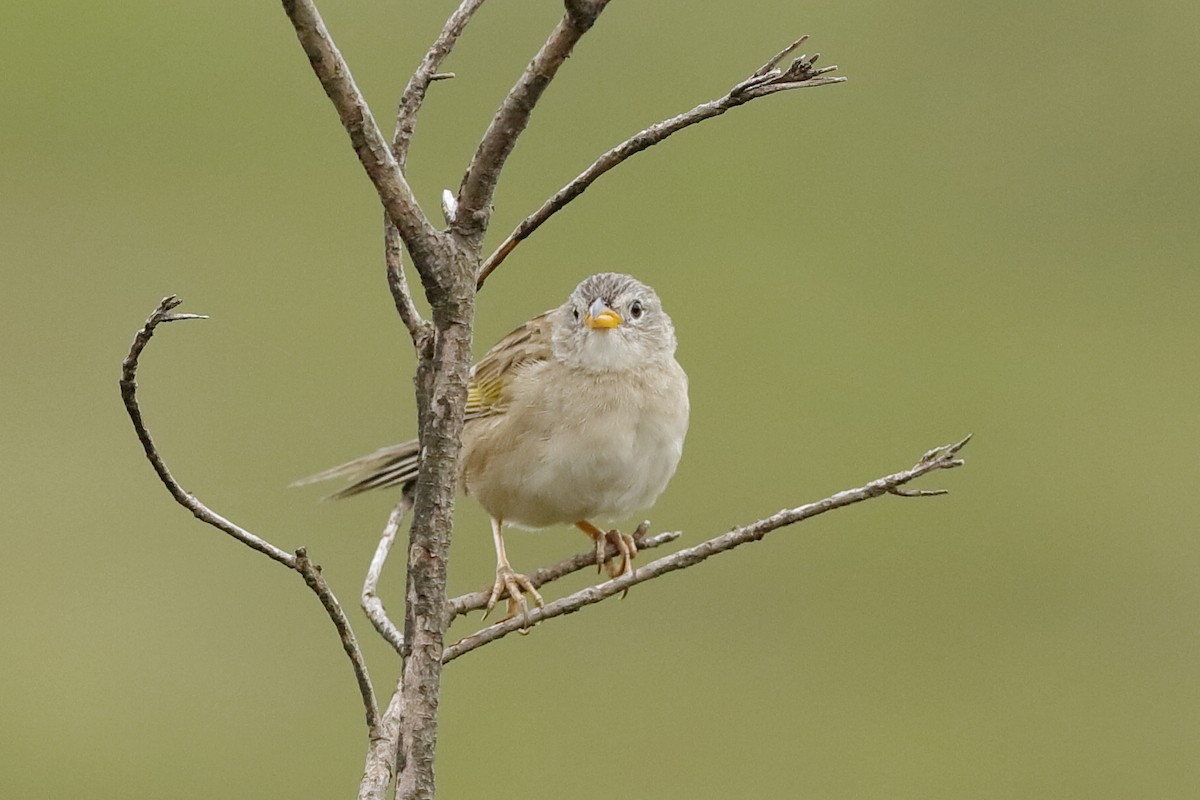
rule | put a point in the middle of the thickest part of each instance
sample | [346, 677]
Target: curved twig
[370, 600]
[767, 79]
[945, 457]
[298, 562]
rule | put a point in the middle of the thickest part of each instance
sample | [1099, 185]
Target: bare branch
[373, 150]
[406, 121]
[298, 562]
[383, 751]
[479, 182]
[316, 581]
[181, 495]
[765, 80]
[393, 254]
[414, 93]
[939, 458]
[370, 600]
[475, 601]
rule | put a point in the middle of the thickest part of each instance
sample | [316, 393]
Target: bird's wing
[487, 392]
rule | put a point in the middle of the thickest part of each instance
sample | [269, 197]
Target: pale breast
[595, 447]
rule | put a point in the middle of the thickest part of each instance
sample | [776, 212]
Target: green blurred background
[991, 228]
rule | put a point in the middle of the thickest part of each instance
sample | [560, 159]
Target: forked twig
[298, 561]
[945, 457]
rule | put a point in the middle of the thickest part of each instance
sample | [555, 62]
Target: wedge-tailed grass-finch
[579, 415]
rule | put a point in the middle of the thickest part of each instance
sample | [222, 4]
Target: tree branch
[414, 93]
[945, 457]
[406, 120]
[381, 766]
[765, 80]
[393, 254]
[479, 183]
[373, 150]
[298, 562]
[475, 601]
[370, 600]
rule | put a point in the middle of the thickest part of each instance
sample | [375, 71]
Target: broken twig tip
[449, 206]
[899, 492]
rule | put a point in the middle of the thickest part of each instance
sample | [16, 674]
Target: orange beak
[601, 316]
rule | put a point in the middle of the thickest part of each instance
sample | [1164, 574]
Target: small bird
[578, 415]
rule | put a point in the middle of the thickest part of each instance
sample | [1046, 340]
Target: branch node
[946, 453]
[782, 54]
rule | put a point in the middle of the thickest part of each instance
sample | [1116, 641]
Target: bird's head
[612, 322]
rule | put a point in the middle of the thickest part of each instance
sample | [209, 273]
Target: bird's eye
[575, 313]
[636, 309]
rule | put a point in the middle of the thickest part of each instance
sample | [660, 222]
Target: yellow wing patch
[487, 392]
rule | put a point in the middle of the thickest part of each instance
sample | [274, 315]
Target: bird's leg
[624, 543]
[509, 582]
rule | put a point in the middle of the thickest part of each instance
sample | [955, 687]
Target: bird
[577, 416]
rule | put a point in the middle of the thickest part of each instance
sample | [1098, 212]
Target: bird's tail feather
[390, 466]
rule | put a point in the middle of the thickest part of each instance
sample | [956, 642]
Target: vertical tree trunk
[441, 387]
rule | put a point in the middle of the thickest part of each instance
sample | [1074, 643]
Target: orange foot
[625, 544]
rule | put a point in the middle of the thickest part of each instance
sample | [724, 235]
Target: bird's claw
[626, 547]
[623, 543]
[513, 585]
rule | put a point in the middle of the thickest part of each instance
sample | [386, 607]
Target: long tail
[391, 466]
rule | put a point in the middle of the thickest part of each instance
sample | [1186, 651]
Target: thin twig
[939, 458]
[372, 148]
[316, 581]
[479, 182]
[181, 495]
[765, 80]
[414, 93]
[370, 600]
[298, 562]
[406, 121]
[474, 601]
[393, 254]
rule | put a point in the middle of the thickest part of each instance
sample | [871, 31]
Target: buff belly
[589, 456]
